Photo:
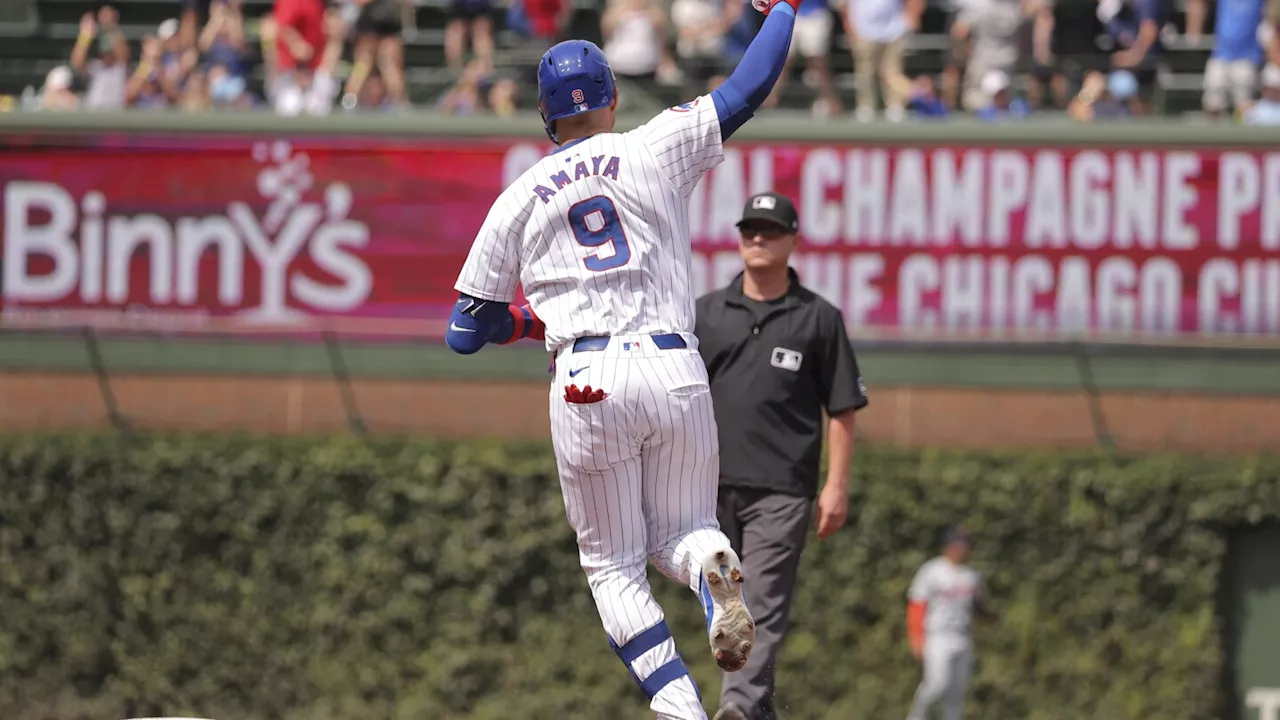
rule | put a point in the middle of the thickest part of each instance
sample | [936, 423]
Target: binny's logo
[91, 251]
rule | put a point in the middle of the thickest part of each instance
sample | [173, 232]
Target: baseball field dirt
[914, 416]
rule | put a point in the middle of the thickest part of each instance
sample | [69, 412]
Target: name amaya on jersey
[597, 232]
[560, 179]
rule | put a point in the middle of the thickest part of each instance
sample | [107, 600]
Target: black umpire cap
[771, 207]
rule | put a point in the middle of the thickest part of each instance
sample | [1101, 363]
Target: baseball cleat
[730, 628]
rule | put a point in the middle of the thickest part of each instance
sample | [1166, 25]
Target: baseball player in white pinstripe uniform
[597, 235]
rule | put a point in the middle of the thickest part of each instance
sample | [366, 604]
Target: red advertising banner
[365, 234]
[179, 234]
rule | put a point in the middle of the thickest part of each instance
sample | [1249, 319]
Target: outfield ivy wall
[245, 578]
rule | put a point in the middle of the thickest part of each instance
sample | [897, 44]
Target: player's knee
[615, 573]
[664, 564]
[689, 547]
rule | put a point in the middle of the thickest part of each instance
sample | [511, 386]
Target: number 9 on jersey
[595, 224]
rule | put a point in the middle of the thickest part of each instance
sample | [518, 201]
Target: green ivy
[340, 579]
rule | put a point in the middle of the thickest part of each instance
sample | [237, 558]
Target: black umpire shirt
[773, 367]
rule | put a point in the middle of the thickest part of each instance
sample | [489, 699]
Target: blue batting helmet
[573, 78]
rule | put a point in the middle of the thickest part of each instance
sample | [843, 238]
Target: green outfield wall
[233, 577]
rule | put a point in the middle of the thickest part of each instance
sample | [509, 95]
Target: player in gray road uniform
[943, 598]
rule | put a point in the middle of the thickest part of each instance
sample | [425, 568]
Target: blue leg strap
[644, 642]
[665, 675]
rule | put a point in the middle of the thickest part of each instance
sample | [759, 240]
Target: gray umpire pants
[767, 530]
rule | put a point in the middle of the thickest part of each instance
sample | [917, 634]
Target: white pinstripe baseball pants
[639, 472]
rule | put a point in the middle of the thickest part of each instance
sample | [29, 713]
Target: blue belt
[591, 343]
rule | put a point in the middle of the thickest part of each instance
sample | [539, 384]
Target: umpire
[777, 355]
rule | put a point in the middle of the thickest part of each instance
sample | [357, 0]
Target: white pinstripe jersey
[597, 232]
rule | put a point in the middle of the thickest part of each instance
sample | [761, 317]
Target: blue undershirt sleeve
[738, 98]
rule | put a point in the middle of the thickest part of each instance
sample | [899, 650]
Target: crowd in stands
[1004, 58]
[201, 60]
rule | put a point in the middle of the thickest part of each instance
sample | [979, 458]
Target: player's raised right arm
[749, 85]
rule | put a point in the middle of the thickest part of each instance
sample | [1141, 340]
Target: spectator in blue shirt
[1135, 25]
[924, 100]
[1232, 71]
[1001, 105]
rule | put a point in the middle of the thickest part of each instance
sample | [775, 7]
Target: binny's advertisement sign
[299, 255]
[193, 230]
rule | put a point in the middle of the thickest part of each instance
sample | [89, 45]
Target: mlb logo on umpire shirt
[786, 359]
